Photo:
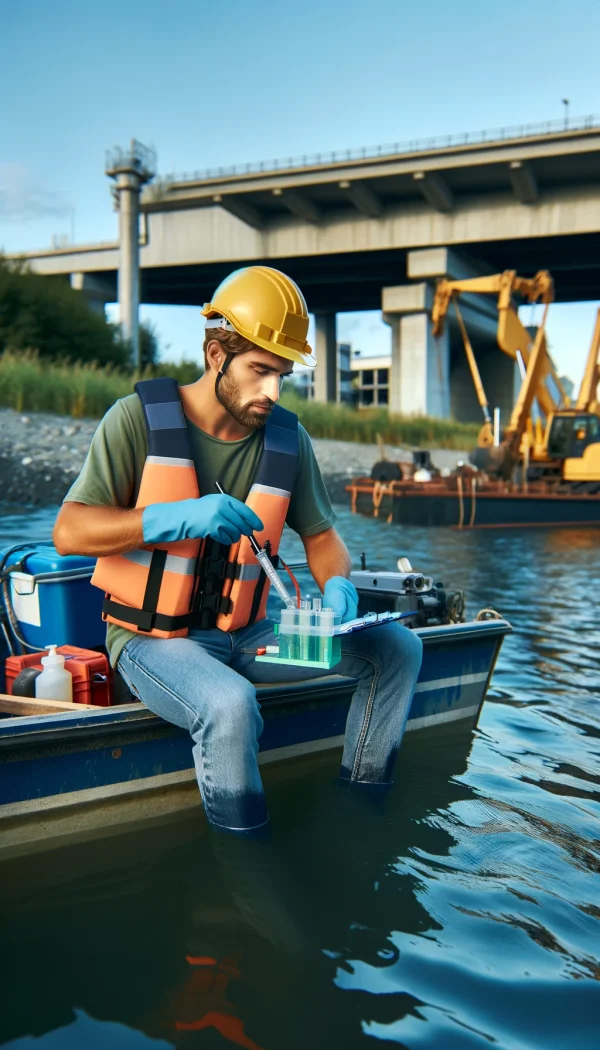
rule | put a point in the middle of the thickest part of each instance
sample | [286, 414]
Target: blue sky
[207, 84]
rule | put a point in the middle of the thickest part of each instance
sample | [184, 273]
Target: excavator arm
[504, 285]
[513, 337]
[530, 388]
[588, 395]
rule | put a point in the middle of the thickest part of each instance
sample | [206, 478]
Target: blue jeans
[204, 683]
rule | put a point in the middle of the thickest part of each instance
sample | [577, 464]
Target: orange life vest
[165, 589]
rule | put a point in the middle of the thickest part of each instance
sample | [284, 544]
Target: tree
[45, 314]
[149, 344]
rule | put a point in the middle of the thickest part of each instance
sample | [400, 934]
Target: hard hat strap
[226, 363]
[224, 324]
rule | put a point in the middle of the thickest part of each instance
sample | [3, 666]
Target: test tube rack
[306, 637]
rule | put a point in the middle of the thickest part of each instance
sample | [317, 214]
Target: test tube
[316, 639]
[325, 640]
[304, 620]
[286, 637]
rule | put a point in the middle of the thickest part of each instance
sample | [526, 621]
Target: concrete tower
[130, 168]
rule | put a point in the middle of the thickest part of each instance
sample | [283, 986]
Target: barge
[468, 502]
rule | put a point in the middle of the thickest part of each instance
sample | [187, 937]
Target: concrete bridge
[372, 229]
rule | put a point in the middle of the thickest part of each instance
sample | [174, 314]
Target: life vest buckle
[214, 602]
[145, 620]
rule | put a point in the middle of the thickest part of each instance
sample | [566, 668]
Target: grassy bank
[31, 384]
[347, 424]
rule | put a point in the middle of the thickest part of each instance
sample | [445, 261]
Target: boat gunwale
[32, 729]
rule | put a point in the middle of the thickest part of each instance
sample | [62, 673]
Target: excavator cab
[571, 433]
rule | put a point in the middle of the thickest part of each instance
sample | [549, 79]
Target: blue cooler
[52, 597]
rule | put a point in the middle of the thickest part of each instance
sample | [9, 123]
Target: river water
[466, 914]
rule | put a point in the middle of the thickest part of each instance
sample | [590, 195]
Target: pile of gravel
[42, 454]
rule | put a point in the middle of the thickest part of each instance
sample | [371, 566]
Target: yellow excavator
[567, 447]
[573, 439]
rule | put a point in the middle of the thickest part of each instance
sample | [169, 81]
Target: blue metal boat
[88, 771]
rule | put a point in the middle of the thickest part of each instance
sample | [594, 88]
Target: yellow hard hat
[266, 307]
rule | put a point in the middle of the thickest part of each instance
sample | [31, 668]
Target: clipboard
[371, 620]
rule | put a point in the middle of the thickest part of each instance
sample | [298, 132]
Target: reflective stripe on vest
[164, 590]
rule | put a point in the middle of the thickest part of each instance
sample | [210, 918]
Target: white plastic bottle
[54, 683]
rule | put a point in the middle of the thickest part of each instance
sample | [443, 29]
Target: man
[185, 598]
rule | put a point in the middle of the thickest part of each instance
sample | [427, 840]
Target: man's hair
[230, 341]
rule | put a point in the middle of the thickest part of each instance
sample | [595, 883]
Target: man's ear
[215, 354]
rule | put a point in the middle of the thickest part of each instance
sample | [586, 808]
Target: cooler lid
[40, 559]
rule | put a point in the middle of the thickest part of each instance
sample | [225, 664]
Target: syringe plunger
[270, 571]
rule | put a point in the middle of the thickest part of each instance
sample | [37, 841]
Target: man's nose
[271, 387]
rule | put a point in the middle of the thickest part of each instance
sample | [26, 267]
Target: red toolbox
[90, 672]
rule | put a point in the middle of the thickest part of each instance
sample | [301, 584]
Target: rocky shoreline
[41, 455]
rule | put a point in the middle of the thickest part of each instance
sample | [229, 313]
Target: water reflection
[190, 932]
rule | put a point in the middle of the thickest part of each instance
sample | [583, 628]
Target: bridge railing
[426, 145]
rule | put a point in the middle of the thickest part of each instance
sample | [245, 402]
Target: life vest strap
[147, 621]
[260, 584]
[154, 581]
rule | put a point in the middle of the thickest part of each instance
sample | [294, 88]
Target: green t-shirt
[113, 468]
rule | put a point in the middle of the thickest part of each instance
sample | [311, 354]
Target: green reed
[29, 383]
[349, 424]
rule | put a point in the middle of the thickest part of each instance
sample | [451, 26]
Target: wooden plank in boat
[23, 705]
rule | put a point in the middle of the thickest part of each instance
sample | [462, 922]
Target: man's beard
[228, 393]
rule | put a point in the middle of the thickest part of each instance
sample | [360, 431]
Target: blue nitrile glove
[340, 595]
[221, 517]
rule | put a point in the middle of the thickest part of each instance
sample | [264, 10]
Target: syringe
[266, 564]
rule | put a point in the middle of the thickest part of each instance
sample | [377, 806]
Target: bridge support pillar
[326, 371]
[98, 292]
[420, 372]
[499, 372]
[430, 376]
[129, 258]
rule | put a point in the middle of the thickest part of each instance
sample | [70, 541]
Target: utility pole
[130, 169]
